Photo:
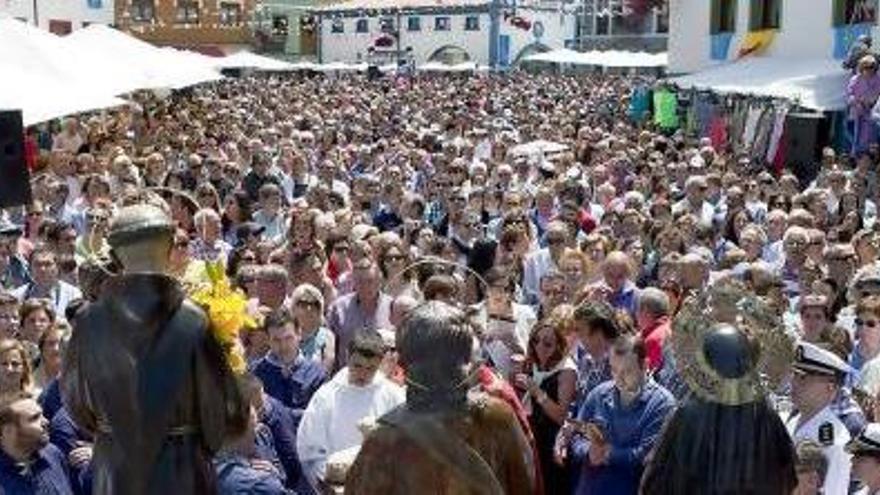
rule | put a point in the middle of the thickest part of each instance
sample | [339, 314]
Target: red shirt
[31, 152]
[654, 337]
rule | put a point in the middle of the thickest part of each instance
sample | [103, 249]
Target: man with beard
[28, 463]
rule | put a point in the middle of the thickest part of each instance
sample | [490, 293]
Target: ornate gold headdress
[730, 345]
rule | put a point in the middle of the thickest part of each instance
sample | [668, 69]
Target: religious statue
[144, 374]
[446, 439]
[725, 438]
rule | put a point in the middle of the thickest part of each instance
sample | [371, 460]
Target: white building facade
[447, 33]
[708, 32]
[60, 16]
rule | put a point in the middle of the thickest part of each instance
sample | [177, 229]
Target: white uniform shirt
[826, 429]
[330, 422]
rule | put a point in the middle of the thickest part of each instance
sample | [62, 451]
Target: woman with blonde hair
[317, 342]
[15, 367]
[575, 267]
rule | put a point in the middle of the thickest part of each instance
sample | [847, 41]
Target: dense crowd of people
[569, 234]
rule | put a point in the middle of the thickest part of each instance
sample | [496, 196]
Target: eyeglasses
[555, 240]
[867, 323]
[340, 249]
[394, 257]
[308, 304]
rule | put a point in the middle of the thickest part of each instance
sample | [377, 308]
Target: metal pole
[320, 28]
[494, 32]
[399, 30]
[36, 15]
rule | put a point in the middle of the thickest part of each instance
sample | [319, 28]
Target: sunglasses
[867, 323]
[394, 257]
[308, 304]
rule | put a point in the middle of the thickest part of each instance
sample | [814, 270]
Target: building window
[386, 24]
[94, 4]
[187, 12]
[603, 12]
[337, 26]
[362, 26]
[471, 23]
[441, 24]
[414, 23]
[230, 14]
[61, 28]
[661, 16]
[848, 12]
[602, 25]
[279, 25]
[142, 10]
[723, 16]
[765, 14]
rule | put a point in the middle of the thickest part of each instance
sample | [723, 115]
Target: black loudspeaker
[15, 180]
[373, 73]
[804, 137]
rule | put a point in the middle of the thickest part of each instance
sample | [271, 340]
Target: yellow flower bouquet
[227, 310]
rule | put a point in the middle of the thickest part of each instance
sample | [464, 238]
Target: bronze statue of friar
[144, 375]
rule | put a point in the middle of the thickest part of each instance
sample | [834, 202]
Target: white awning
[145, 66]
[247, 60]
[819, 84]
[610, 58]
[43, 77]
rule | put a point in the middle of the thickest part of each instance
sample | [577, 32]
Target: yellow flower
[227, 314]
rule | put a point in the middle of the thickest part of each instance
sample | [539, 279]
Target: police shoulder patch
[826, 434]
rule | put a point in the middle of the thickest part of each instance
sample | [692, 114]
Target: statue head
[436, 344]
[141, 237]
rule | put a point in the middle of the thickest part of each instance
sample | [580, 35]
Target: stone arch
[530, 49]
[450, 55]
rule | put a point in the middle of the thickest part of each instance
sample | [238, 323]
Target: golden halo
[731, 303]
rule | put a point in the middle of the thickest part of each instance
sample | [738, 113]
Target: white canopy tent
[341, 67]
[610, 58]
[441, 67]
[41, 98]
[248, 60]
[43, 77]
[813, 83]
[560, 56]
[147, 67]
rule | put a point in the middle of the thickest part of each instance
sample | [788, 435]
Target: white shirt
[869, 377]
[535, 266]
[330, 422]
[835, 437]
